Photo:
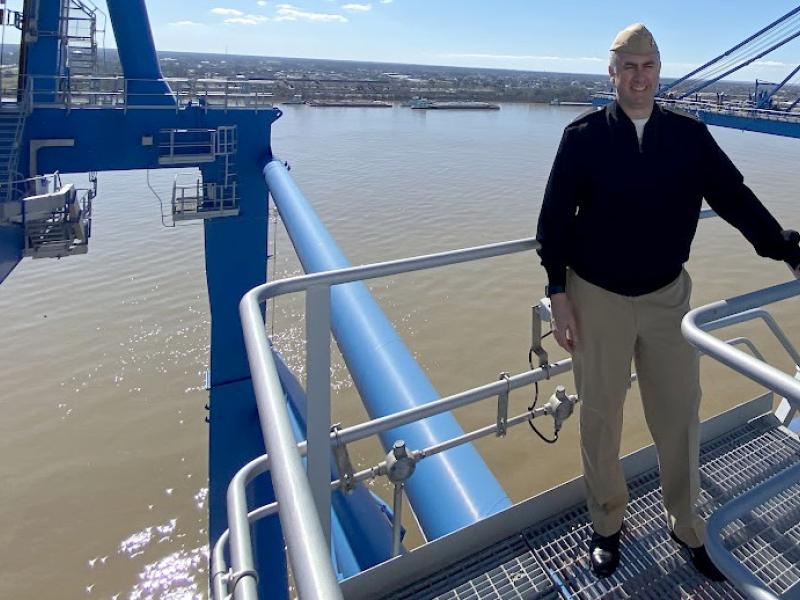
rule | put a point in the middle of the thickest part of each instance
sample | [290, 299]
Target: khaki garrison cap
[634, 39]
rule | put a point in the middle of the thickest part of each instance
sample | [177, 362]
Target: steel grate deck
[505, 570]
[549, 560]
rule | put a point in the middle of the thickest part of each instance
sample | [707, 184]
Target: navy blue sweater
[623, 217]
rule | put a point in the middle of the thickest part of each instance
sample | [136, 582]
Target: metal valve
[400, 464]
[560, 406]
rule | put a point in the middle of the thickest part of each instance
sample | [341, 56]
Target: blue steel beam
[361, 532]
[115, 139]
[730, 51]
[448, 491]
[761, 54]
[137, 53]
[41, 44]
[760, 125]
[773, 122]
[765, 101]
[236, 261]
[11, 244]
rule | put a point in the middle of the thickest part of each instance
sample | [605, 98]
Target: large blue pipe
[361, 532]
[448, 491]
[137, 53]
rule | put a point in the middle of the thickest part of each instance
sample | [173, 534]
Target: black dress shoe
[604, 553]
[700, 559]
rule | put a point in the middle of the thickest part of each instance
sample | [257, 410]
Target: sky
[553, 35]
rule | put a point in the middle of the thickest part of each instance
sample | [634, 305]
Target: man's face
[636, 78]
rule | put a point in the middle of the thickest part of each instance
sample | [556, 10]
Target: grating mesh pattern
[737, 462]
[507, 570]
[652, 565]
[555, 561]
[768, 542]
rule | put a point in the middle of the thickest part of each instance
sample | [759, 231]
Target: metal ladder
[78, 32]
[12, 123]
[227, 147]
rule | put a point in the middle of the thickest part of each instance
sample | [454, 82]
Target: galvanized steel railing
[773, 379]
[303, 500]
[224, 580]
[304, 506]
[116, 92]
[726, 108]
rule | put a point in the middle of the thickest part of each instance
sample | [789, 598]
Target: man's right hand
[565, 327]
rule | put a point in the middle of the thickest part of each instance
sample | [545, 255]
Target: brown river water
[102, 435]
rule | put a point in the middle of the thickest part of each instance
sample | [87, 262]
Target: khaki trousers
[613, 330]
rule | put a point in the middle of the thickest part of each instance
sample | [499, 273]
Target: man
[617, 221]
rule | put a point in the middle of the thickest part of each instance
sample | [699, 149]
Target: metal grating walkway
[549, 560]
[505, 570]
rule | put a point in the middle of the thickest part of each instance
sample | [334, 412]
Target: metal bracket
[787, 411]
[502, 406]
[537, 314]
[343, 463]
[232, 579]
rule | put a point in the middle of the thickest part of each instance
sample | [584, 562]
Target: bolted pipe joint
[400, 464]
[560, 406]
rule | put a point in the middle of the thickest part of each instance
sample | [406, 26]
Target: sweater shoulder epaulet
[594, 115]
[587, 116]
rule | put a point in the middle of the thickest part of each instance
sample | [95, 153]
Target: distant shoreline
[353, 81]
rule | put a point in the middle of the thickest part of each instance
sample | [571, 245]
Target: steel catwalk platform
[549, 559]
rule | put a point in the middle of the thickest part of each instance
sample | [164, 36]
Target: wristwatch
[549, 290]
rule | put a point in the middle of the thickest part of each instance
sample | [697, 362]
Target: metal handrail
[762, 373]
[260, 465]
[114, 92]
[769, 321]
[743, 579]
[710, 106]
[220, 573]
[771, 378]
[306, 537]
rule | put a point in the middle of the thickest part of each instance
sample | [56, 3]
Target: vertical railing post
[318, 399]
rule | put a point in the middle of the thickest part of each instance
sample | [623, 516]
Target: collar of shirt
[622, 127]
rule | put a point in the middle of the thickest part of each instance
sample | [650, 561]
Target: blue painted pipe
[362, 521]
[448, 491]
[137, 54]
[342, 555]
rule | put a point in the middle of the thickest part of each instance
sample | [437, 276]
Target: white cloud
[357, 7]
[247, 20]
[186, 24]
[287, 12]
[386, 1]
[770, 63]
[262, 2]
[228, 12]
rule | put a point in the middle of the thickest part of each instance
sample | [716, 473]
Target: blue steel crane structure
[65, 119]
[68, 121]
